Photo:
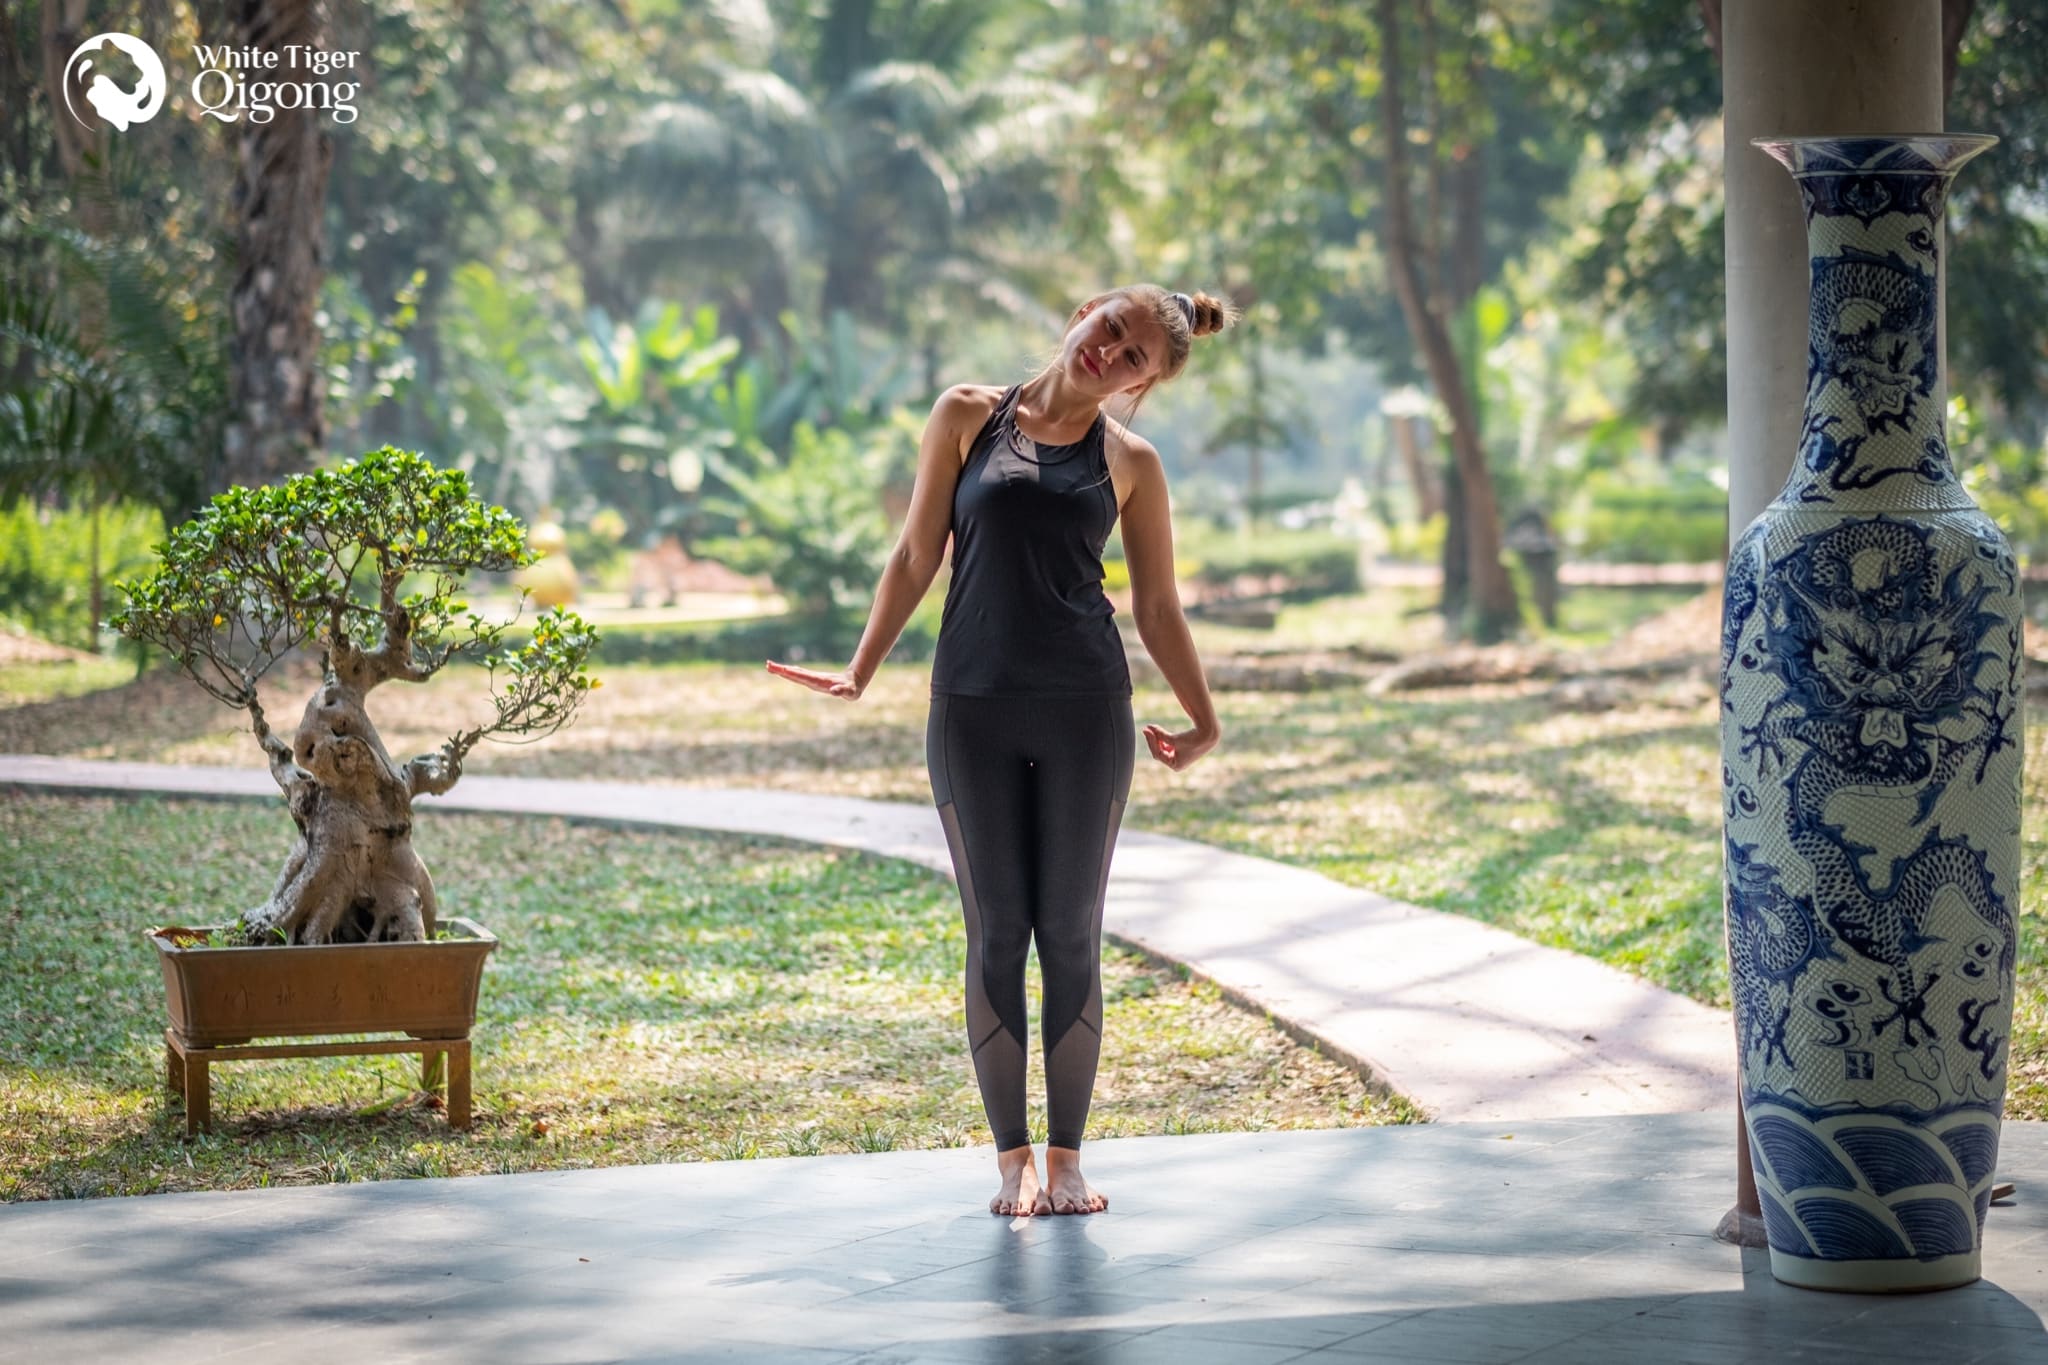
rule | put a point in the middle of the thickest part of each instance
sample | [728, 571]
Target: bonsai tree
[326, 558]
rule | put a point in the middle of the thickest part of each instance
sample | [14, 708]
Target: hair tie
[1187, 309]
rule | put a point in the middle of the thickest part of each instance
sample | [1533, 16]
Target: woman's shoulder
[1130, 445]
[966, 408]
[977, 401]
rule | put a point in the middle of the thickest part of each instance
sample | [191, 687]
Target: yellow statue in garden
[551, 579]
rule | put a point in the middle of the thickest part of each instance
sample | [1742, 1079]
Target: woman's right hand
[840, 684]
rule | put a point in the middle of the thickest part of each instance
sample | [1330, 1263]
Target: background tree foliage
[579, 251]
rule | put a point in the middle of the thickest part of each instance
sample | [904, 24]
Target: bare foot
[1020, 1193]
[1066, 1190]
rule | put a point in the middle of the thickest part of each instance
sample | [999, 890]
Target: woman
[1030, 740]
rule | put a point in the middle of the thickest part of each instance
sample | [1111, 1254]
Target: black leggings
[1031, 791]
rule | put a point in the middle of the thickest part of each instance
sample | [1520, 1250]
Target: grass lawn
[656, 996]
[26, 682]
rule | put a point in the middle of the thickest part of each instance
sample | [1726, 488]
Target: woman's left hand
[1179, 752]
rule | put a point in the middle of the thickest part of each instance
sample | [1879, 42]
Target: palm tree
[134, 412]
[859, 163]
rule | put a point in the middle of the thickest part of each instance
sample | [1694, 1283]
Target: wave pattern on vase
[1871, 765]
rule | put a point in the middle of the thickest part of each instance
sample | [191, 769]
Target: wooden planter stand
[221, 998]
[186, 1069]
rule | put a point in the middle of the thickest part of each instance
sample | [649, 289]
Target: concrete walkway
[1566, 1242]
[1468, 1021]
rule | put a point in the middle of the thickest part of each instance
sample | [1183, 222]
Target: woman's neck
[1053, 405]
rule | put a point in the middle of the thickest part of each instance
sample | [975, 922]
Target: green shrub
[2007, 479]
[815, 643]
[1647, 517]
[809, 517]
[46, 564]
[1418, 542]
[1313, 563]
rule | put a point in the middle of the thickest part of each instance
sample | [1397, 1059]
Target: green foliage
[597, 546]
[680, 434]
[367, 358]
[1648, 241]
[537, 688]
[1647, 514]
[501, 389]
[1626, 70]
[1995, 297]
[1418, 542]
[657, 413]
[1650, 257]
[46, 563]
[1265, 148]
[830, 377]
[871, 156]
[811, 519]
[2008, 478]
[236, 935]
[135, 410]
[1312, 563]
[792, 637]
[263, 570]
[1998, 229]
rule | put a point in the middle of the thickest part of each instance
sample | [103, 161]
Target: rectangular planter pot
[221, 997]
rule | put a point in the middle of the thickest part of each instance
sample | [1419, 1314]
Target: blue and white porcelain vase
[1870, 749]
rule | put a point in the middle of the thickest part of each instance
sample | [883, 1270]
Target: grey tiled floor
[1575, 1241]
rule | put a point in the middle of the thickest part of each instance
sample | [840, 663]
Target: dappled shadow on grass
[1604, 842]
[656, 996]
[1559, 826]
[1647, 904]
[139, 719]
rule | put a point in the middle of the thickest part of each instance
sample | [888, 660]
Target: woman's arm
[1155, 604]
[919, 550]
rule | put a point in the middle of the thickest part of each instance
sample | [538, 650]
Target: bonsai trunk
[354, 877]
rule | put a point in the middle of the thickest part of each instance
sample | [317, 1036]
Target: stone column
[1796, 67]
[1805, 68]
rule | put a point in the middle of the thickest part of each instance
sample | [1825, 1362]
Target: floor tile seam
[1197, 1324]
[1394, 1318]
[923, 1275]
[1606, 1326]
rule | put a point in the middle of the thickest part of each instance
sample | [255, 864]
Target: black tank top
[1025, 613]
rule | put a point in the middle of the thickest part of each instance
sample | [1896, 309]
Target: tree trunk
[354, 877]
[1494, 609]
[277, 427]
[1457, 555]
[95, 601]
[80, 152]
[1255, 456]
[1429, 493]
[1955, 21]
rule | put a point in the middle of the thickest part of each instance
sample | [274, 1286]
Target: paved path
[1565, 1242]
[1468, 1021]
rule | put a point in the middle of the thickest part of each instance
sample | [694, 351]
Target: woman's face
[1116, 347]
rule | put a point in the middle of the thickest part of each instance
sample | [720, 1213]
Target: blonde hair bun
[1210, 314]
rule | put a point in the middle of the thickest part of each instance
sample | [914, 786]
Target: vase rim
[1816, 154]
